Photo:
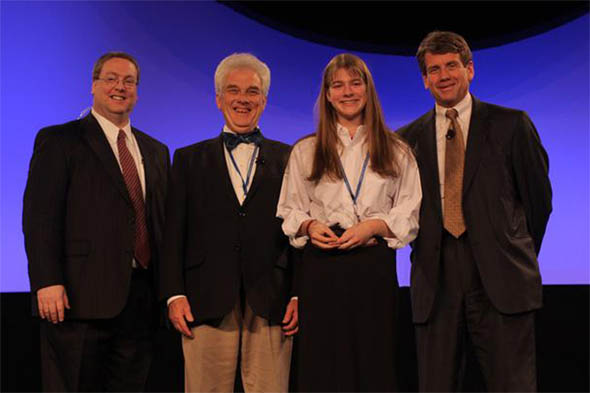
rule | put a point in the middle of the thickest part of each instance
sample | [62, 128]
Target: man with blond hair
[226, 272]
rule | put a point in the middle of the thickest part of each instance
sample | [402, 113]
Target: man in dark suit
[92, 219]
[226, 265]
[486, 202]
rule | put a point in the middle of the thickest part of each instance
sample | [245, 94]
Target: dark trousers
[463, 316]
[102, 355]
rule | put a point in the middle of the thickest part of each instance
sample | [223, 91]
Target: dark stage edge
[562, 346]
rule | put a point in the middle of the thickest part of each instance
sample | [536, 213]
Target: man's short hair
[242, 60]
[112, 55]
[441, 42]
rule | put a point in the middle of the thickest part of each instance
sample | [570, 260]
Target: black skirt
[347, 317]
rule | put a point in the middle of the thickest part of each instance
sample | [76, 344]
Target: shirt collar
[109, 128]
[344, 134]
[230, 131]
[461, 107]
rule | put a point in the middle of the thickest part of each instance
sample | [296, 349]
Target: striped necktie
[142, 246]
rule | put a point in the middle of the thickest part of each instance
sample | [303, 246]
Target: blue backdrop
[48, 49]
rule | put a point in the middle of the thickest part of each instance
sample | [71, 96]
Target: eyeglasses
[111, 81]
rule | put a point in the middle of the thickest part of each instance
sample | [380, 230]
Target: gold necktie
[454, 164]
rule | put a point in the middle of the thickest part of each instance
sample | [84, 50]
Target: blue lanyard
[250, 165]
[354, 196]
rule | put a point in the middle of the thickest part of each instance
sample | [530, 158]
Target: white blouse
[395, 201]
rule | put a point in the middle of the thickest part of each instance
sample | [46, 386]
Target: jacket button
[237, 247]
[131, 220]
[242, 214]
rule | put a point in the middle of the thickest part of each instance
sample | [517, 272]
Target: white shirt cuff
[173, 298]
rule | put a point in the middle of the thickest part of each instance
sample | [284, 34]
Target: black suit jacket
[78, 219]
[212, 244]
[506, 205]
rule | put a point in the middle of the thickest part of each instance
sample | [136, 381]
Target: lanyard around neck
[354, 195]
[250, 165]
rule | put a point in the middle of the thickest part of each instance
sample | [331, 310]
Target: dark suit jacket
[78, 219]
[506, 205]
[212, 243]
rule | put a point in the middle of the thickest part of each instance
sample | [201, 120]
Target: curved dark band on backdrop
[398, 27]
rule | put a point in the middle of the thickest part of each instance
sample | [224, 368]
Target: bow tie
[233, 140]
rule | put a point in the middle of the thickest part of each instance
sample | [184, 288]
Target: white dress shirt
[395, 201]
[442, 127]
[242, 154]
[111, 131]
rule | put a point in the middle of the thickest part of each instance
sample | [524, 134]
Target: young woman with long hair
[350, 196]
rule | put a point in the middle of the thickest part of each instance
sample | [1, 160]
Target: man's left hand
[291, 319]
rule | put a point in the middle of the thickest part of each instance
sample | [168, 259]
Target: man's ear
[425, 81]
[470, 70]
[264, 101]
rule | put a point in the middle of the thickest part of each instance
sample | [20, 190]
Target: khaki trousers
[211, 357]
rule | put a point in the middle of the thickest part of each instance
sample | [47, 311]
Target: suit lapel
[98, 142]
[259, 173]
[430, 158]
[147, 156]
[478, 129]
[219, 166]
